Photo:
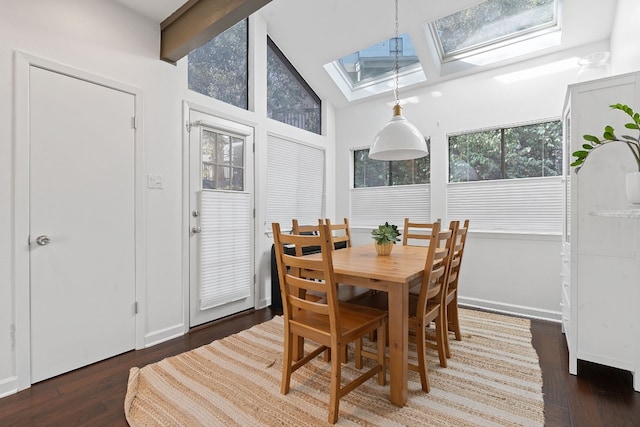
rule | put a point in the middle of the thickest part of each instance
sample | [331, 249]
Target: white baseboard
[8, 386]
[163, 335]
[512, 309]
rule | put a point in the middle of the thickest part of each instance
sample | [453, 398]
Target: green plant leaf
[580, 154]
[631, 126]
[591, 138]
[577, 162]
[587, 147]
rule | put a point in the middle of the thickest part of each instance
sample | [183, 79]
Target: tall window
[220, 68]
[389, 190]
[377, 173]
[290, 99]
[517, 152]
[497, 201]
[295, 181]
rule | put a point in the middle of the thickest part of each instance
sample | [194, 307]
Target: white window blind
[373, 206]
[225, 271]
[512, 205]
[295, 182]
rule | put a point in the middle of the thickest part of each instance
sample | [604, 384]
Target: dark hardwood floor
[94, 395]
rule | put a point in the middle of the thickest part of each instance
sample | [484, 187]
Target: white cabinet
[601, 244]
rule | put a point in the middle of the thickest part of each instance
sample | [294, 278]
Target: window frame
[527, 205]
[390, 168]
[247, 91]
[283, 59]
[503, 166]
[496, 43]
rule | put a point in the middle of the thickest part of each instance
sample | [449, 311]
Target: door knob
[43, 240]
[196, 229]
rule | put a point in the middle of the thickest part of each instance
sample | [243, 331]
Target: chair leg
[441, 339]
[422, 356]
[344, 357]
[286, 363]
[454, 320]
[445, 331]
[382, 359]
[358, 353]
[336, 372]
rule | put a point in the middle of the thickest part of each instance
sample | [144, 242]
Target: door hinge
[254, 147]
[188, 126]
[134, 122]
[29, 240]
[254, 279]
[254, 213]
[135, 307]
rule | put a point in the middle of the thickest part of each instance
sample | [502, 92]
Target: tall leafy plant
[609, 136]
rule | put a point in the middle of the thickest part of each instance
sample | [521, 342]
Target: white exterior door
[221, 278]
[81, 222]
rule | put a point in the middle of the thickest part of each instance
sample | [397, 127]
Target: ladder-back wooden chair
[331, 324]
[412, 231]
[453, 320]
[426, 307]
[414, 292]
[340, 233]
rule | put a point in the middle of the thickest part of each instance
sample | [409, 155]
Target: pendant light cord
[397, 69]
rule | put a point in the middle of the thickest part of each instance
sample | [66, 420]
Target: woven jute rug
[493, 379]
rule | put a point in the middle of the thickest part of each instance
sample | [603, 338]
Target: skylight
[371, 70]
[493, 24]
[378, 61]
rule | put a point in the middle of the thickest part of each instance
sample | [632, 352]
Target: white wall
[625, 49]
[103, 38]
[507, 272]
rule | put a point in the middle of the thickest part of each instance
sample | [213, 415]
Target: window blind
[295, 181]
[373, 206]
[512, 205]
[225, 268]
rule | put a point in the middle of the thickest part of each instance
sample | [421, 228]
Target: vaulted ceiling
[312, 33]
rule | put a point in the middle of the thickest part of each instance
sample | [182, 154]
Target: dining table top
[404, 264]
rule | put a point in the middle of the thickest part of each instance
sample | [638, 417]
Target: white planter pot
[633, 187]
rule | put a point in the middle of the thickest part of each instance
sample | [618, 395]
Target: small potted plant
[385, 236]
[593, 142]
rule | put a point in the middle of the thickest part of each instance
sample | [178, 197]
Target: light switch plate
[154, 181]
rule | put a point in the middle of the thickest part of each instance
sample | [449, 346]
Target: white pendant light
[398, 139]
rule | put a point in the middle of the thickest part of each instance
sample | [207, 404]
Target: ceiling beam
[198, 21]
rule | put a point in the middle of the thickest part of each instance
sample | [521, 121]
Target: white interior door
[82, 236]
[221, 216]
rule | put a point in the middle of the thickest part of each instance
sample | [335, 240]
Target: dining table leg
[398, 342]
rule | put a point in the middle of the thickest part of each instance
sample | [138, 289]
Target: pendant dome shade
[398, 140]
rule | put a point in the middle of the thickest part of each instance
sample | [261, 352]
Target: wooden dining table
[395, 274]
